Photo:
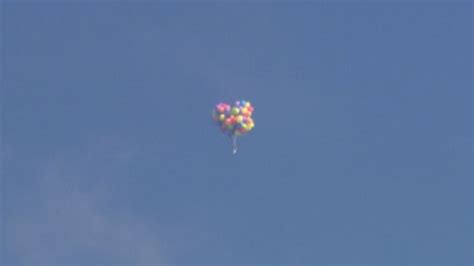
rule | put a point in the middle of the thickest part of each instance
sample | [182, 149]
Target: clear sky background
[361, 153]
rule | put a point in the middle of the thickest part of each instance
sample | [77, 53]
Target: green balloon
[235, 110]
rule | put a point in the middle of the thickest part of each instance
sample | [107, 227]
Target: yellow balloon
[239, 119]
[222, 117]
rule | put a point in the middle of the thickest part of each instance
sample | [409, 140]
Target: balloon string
[234, 144]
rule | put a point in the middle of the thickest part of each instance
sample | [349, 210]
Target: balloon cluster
[234, 120]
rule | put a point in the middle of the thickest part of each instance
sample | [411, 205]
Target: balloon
[235, 110]
[234, 121]
[240, 119]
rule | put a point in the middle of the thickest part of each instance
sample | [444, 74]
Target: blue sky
[361, 153]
